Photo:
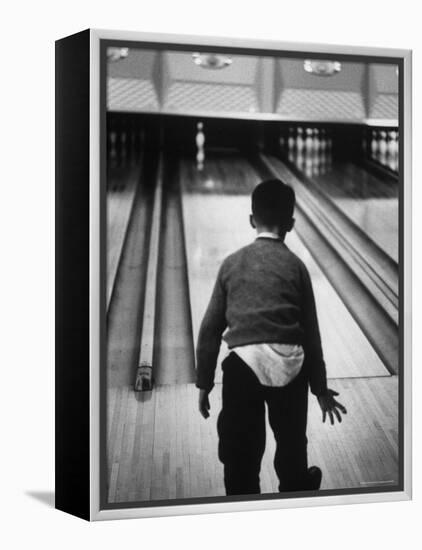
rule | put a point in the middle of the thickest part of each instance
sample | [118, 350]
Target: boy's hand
[204, 403]
[329, 405]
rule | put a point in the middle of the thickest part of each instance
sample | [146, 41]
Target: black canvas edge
[72, 336]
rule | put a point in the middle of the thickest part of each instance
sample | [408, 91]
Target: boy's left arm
[209, 341]
[312, 338]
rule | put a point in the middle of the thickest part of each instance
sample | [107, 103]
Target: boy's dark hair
[273, 203]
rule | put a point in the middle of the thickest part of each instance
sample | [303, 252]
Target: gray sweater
[263, 293]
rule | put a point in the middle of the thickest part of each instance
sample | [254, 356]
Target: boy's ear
[252, 221]
[290, 225]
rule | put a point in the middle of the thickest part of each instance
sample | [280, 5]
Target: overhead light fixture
[322, 67]
[115, 54]
[211, 60]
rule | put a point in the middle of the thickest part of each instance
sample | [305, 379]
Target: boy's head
[273, 204]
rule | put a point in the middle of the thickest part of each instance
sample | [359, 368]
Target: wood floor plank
[136, 454]
[174, 450]
[127, 449]
[145, 470]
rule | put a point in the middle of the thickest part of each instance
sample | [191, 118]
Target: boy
[263, 296]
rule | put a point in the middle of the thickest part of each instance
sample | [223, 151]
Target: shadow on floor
[45, 497]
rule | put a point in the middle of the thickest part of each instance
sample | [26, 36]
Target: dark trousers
[241, 429]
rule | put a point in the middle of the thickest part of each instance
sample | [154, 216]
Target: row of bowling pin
[315, 163]
[306, 140]
[124, 145]
[384, 148]
[309, 148]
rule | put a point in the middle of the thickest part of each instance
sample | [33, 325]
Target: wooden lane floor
[369, 202]
[122, 185]
[164, 449]
[217, 224]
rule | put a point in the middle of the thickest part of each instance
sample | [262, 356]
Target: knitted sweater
[263, 293]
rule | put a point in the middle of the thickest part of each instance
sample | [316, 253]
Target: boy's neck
[271, 231]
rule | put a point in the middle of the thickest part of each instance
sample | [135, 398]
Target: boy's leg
[241, 427]
[288, 412]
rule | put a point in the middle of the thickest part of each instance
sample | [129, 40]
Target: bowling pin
[394, 150]
[308, 165]
[309, 142]
[390, 143]
[388, 156]
[200, 141]
[291, 140]
[300, 160]
[316, 142]
[382, 143]
[200, 137]
[374, 145]
[395, 144]
[382, 148]
[299, 140]
[316, 163]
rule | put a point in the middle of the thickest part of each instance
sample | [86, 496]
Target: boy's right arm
[209, 339]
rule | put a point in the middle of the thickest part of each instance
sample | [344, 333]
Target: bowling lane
[120, 199]
[216, 207]
[174, 361]
[372, 204]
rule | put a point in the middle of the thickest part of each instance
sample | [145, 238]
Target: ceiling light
[322, 67]
[211, 60]
[115, 54]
